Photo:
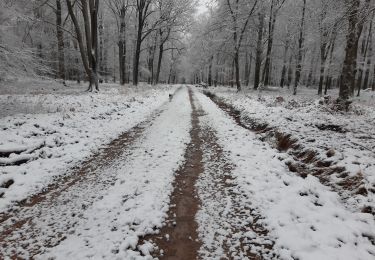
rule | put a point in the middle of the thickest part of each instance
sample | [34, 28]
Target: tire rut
[43, 220]
[232, 228]
[304, 161]
[178, 239]
[208, 217]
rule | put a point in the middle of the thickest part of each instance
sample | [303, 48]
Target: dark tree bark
[369, 60]
[312, 69]
[366, 43]
[324, 46]
[60, 42]
[90, 55]
[122, 45]
[210, 71]
[238, 35]
[232, 74]
[300, 46]
[150, 60]
[102, 60]
[248, 68]
[259, 50]
[284, 69]
[142, 10]
[323, 58]
[328, 76]
[290, 71]
[216, 71]
[355, 26]
[163, 39]
[82, 50]
[94, 8]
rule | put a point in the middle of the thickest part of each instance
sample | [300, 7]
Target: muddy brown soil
[178, 240]
[43, 220]
[206, 174]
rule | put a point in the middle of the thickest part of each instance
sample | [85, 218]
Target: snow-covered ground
[305, 219]
[138, 203]
[349, 136]
[51, 133]
[252, 204]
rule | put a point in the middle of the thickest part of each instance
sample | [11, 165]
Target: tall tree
[239, 25]
[259, 50]
[89, 55]
[300, 46]
[355, 26]
[60, 41]
[120, 10]
[143, 11]
[274, 9]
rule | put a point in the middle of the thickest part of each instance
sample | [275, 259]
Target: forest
[187, 129]
[316, 43]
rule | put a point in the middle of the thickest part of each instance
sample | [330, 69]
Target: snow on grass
[62, 131]
[138, 203]
[306, 219]
[306, 119]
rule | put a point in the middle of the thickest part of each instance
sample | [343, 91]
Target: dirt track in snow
[206, 218]
[46, 219]
[56, 211]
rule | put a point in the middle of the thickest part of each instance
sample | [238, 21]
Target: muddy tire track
[178, 239]
[207, 199]
[235, 229]
[43, 220]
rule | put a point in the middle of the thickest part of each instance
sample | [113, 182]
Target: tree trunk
[122, 61]
[237, 70]
[349, 68]
[160, 58]
[363, 60]
[151, 58]
[94, 7]
[259, 50]
[216, 71]
[210, 71]
[90, 56]
[232, 74]
[290, 71]
[248, 68]
[60, 42]
[267, 64]
[322, 70]
[284, 69]
[122, 46]
[138, 44]
[300, 45]
[312, 70]
[369, 59]
[82, 50]
[329, 77]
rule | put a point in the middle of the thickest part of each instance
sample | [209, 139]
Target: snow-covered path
[122, 201]
[304, 218]
[190, 178]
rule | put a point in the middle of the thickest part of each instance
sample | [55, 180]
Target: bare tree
[89, 55]
[239, 30]
[120, 10]
[300, 46]
[274, 9]
[60, 42]
[259, 50]
[355, 26]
